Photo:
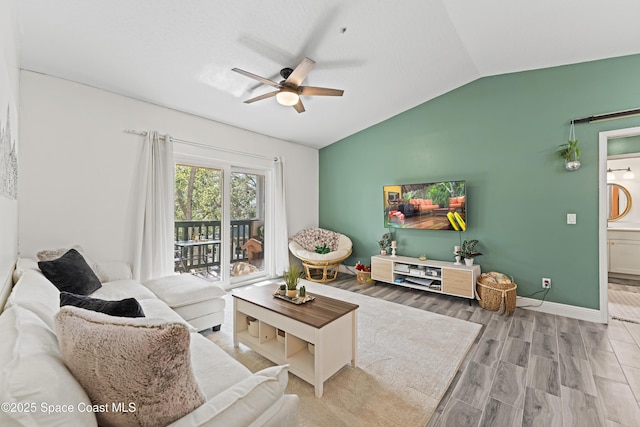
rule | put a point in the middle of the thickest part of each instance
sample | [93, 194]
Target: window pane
[247, 223]
[198, 214]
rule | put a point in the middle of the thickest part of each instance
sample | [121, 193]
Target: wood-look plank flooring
[531, 369]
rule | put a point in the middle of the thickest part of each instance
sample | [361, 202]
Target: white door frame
[603, 248]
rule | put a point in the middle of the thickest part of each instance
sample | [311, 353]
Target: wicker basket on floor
[363, 277]
[497, 292]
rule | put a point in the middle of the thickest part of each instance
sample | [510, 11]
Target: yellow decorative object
[450, 217]
[463, 225]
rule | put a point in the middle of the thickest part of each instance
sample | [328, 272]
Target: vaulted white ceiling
[388, 56]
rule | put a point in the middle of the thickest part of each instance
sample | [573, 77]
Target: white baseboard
[572, 311]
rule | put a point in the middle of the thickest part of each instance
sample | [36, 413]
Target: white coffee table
[329, 324]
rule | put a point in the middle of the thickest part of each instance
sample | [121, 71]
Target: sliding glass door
[220, 220]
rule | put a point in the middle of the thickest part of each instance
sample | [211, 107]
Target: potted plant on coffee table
[291, 278]
[468, 251]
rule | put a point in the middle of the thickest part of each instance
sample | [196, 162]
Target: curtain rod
[198, 144]
[608, 116]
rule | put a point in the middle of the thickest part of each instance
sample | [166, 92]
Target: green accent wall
[500, 134]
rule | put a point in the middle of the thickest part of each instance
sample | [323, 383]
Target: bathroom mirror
[619, 200]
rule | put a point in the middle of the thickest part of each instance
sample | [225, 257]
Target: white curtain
[153, 233]
[281, 239]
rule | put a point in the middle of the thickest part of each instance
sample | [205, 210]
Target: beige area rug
[406, 360]
[624, 306]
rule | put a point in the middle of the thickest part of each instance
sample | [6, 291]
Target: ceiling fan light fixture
[287, 97]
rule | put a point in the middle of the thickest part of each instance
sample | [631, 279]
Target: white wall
[78, 165]
[8, 97]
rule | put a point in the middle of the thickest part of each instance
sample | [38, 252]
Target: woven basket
[363, 277]
[497, 292]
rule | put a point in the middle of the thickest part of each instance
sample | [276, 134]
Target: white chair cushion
[344, 248]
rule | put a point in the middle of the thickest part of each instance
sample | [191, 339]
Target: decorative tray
[297, 300]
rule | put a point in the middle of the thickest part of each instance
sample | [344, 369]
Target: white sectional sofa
[38, 389]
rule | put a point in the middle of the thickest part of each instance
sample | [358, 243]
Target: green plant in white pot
[291, 278]
[468, 251]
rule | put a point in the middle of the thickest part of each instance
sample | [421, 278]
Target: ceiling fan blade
[299, 107]
[255, 77]
[319, 91]
[261, 97]
[298, 75]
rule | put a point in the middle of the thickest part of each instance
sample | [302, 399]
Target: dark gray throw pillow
[128, 307]
[71, 273]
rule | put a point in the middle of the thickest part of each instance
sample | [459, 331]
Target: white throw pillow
[37, 294]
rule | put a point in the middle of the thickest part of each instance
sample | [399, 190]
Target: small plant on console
[385, 242]
[468, 249]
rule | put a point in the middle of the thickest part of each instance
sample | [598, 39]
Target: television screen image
[428, 206]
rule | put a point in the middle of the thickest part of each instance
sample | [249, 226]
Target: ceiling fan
[289, 90]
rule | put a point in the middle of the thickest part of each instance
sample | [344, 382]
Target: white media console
[430, 275]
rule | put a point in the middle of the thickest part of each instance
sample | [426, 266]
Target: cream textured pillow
[141, 363]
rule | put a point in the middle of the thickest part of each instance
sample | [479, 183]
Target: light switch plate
[571, 218]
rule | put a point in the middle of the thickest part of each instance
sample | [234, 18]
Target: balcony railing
[198, 243]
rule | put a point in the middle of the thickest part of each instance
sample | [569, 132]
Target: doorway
[612, 250]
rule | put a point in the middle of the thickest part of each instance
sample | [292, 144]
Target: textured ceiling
[391, 57]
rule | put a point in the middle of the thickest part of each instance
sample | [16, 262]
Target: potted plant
[282, 290]
[384, 243]
[291, 278]
[468, 251]
[571, 154]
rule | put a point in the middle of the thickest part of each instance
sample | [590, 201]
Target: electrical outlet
[546, 283]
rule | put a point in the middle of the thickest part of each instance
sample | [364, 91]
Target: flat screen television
[428, 206]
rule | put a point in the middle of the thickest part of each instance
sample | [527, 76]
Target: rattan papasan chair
[307, 245]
